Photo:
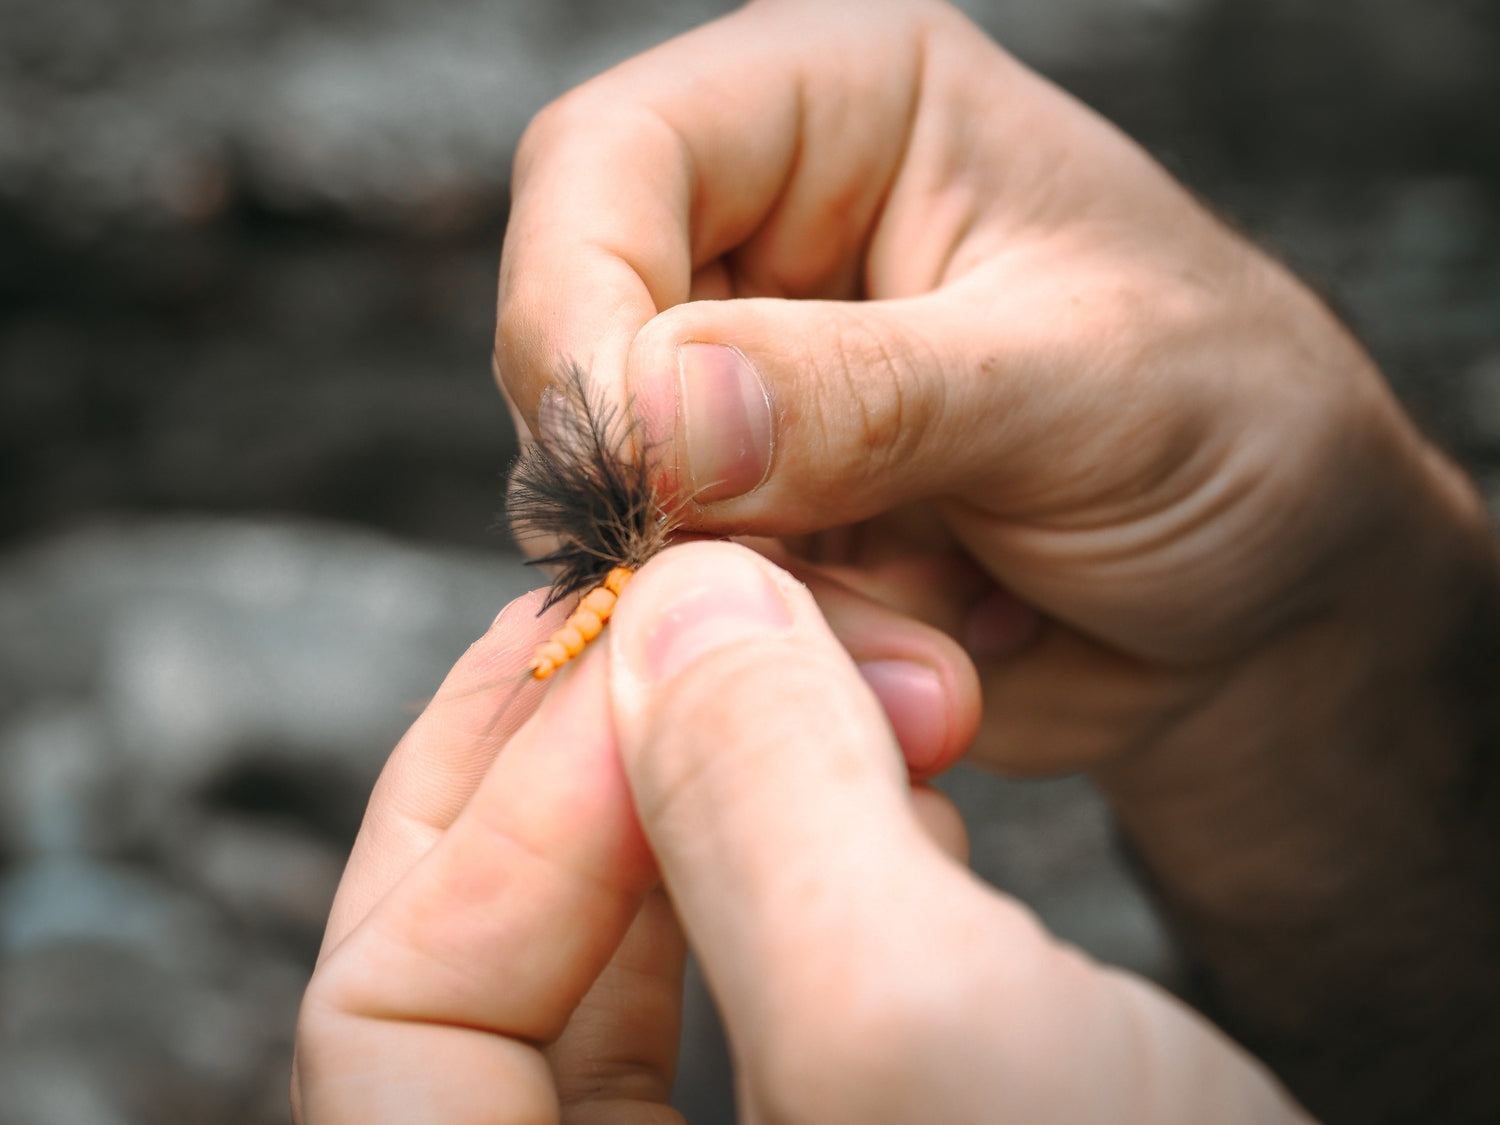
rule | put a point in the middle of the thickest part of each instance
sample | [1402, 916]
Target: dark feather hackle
[587, 489]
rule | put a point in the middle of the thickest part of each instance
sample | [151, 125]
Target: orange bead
[582, 625]
[587, 622]
[600, 601]
[570, 638]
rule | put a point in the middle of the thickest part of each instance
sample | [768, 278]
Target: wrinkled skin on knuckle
[876, 399]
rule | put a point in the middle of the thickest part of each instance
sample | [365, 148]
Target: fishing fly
[585, 488]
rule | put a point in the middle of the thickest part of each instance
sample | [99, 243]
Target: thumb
[811, 413]
[762, 768]
[858, 969]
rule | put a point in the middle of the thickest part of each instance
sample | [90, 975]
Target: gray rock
[55, 1088]
[57, 783]
[60, 901]
[269, 874]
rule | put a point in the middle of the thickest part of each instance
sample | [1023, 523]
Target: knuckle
[547, 126]
[881, 394]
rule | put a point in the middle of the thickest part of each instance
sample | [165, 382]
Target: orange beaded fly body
[582, 625]
[586, 489]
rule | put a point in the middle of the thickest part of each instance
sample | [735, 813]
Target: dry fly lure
[587, 488]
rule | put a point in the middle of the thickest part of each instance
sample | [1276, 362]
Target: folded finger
[922, 678]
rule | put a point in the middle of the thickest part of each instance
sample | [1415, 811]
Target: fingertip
[720, 658]
[915, 702]
[694, 599]
[779, 416]
[704, 401]
[520, 609]
[923, 680]
[725, 421]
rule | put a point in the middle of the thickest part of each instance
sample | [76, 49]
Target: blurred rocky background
[250, 456]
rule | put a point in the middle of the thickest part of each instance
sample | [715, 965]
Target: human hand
[844, 259]
[923, 681]
[1007, 377]
[501, 951]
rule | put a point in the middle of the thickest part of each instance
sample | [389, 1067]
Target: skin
[1019, 392]
[510, 956]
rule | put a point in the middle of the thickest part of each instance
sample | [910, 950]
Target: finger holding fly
[485, 946]
[440, 761]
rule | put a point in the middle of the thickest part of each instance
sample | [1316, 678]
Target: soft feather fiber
[586, 489]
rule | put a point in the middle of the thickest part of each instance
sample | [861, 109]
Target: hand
[501, 953]
[922, 680]
[847, 258]
[876, 289]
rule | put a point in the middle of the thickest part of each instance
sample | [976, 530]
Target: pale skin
[1080, 480]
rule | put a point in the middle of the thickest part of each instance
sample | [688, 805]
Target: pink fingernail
[736, 603]
[725, 414]
[916, 706]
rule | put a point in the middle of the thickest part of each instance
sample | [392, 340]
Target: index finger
[436, 1004]
[440, 761]
[735, 136]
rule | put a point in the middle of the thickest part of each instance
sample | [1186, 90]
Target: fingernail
[736, 602]
[1000, 625]
[915, 705]
[726, 421]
